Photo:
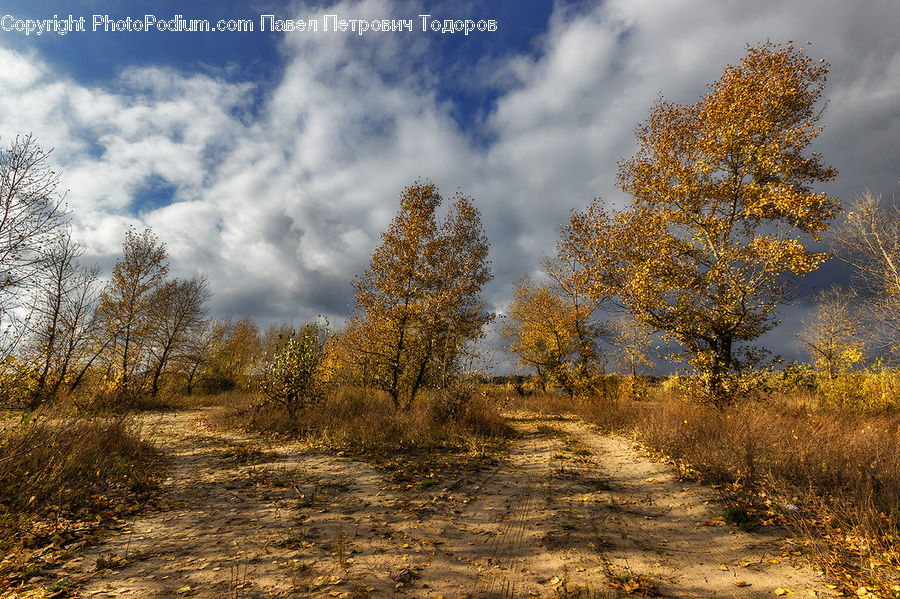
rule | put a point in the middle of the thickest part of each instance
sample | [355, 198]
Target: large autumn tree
[419, 301]
[722, 201]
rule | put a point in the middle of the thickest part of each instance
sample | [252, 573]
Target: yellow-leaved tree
[419, 301]
[125, 308]
[833, 335]
[722, 202]
[551, 328]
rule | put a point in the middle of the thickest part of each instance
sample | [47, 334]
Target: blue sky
[272, 161]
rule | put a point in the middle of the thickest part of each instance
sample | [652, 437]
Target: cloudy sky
[271, 161]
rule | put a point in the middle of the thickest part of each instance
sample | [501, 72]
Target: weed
[740, 516]
[69, 466]
[103, 563]
[341, 547]
[59, 585]
[626, 581]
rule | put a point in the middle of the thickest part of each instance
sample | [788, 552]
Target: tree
[633, 341]
[126, 304]
[869, 240]
[234, 347]
[589, 331]
[293, 375]
[722, 198]
[195, 355]
[549, 328]
[832, 335]
[32, 218]
[60, 319]
[539, 331]
[177, 317]
[419, 300]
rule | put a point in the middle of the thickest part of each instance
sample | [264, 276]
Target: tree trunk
[721, 364]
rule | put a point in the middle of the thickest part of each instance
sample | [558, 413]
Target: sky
[271, 161]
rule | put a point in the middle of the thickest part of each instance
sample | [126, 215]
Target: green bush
[293, 368]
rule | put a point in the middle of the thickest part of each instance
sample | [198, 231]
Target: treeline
[142, 334]
[67, 334]
[107, 344]
[715, 239]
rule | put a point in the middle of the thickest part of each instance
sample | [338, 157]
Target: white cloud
[282, 209]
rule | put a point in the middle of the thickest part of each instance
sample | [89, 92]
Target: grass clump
[57, 471]
[365, 421]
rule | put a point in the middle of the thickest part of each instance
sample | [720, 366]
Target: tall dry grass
[366, 421]
[834, 475]
[60, 467]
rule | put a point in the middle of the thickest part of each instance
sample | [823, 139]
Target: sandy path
[564, 514]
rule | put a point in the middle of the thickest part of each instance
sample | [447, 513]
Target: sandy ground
[565, 513]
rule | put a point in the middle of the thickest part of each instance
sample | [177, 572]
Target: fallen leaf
[782, 592]
[741, 583]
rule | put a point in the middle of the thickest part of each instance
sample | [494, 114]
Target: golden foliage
[832, 336]
[721, 204]
[233, 351]
[550, 331]
[419, 300]
[126, 303]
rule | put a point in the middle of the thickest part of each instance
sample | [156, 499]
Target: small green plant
[59, 585]
[292, 377]
[740, 516]
[36, 571]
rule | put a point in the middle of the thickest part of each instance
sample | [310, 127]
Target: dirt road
[566, 513]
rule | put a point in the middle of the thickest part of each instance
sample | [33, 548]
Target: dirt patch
[566, 513]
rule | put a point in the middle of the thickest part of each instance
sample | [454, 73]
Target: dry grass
[60, 468]
[366, 421]
[834, 475]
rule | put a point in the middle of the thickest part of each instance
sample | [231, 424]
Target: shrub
[366, 420]
[292, 377]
